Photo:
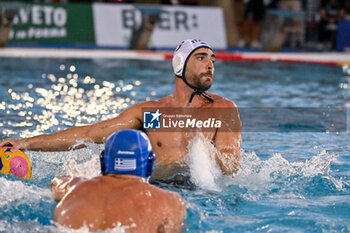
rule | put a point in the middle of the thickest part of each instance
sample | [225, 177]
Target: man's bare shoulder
[136, 188]
[167, 197]
[86, 192]
[90, 184]
[222, 102]
[153, 103]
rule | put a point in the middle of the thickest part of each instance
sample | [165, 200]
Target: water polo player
[193, 65]
[121, 197]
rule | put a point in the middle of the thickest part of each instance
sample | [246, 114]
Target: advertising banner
[114, 24]
[53, 23]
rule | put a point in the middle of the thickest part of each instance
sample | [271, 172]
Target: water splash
[88, 169]
[278, 178]
[35, 226]
[275, 177]
[25, 226]
[204, 171]
[83, 162]
[15, 192]
[23, 203]
[85, 229]
[89, 164]
[317, 165]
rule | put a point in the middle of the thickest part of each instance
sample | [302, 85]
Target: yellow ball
[16, 163]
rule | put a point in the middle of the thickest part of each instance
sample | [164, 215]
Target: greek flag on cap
[128, 152]
[124, 164]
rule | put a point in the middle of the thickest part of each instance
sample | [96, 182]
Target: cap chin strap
[196, 91]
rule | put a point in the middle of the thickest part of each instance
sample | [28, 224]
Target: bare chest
[171, 147]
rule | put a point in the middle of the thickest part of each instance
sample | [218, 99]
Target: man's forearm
[71, 138]
[76, 137]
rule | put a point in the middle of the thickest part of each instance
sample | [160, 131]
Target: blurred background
[233, 25]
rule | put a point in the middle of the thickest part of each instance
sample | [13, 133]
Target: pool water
[289, 181]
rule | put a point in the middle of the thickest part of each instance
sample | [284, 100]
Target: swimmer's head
[181, 56]
[183, 52]
[15, 163]
[128, 152]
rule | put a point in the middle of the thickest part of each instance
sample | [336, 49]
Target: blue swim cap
[128, 152]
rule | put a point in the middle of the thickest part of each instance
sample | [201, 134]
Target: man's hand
[62, 184]
[228, 159]
[15, 144]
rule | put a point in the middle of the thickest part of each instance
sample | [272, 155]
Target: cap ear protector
[15, 163]
[128, 152]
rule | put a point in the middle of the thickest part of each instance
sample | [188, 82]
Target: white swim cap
[183, 52]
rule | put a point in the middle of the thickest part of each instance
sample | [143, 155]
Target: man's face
[200, 69]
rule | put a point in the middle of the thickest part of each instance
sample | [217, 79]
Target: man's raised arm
[76, 137]
[228, 142]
